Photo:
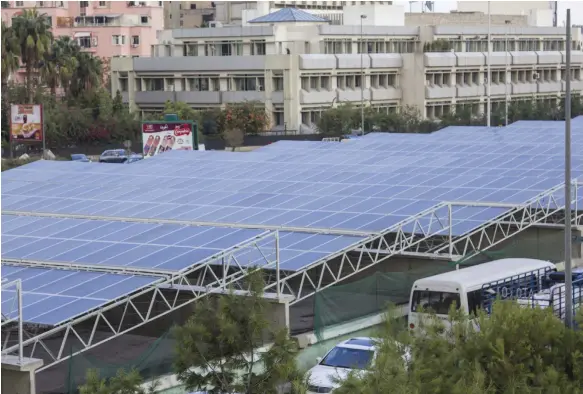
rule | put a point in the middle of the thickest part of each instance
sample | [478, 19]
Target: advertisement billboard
[26, 123]
[160, 137]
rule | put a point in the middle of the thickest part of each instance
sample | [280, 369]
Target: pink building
[104, 28]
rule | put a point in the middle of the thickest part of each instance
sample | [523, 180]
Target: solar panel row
[52, 296]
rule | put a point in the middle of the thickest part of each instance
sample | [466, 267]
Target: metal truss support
[6, 320]
[167, 295]
[420, 232]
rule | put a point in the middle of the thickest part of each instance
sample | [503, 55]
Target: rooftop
[288, 15]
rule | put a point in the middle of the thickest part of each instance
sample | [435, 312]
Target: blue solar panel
[148, 246]
[53, 296]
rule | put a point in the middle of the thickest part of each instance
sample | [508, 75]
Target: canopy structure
[103, 249]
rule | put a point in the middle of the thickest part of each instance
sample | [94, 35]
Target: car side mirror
[318, 360]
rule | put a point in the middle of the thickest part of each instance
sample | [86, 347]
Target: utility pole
[568, 197]
[362, 46]
[489, 86]
[506, 73]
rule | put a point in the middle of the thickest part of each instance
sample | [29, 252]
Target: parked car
[353, 354]
[119, 156]
[80, 157]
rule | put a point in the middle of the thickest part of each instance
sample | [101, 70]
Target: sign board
[160, 137]
[26, 123]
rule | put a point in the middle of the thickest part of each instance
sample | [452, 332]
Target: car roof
[363, 343]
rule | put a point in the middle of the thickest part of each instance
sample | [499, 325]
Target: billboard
[159, 137]
[26, 123]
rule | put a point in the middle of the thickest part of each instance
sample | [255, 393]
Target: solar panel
[53, 296]
[166, 247]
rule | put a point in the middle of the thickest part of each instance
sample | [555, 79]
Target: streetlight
[507, 22]
[362, 18]
[568, 197]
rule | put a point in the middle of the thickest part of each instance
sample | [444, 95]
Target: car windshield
[342, 357]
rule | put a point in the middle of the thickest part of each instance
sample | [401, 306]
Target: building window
[332, 47]
[103, 3]
[192, 6]
[383, 81]
[123, 84]
[135, 41]
[118, 40]
[258, 48]
[83, 4]
[41, 4]
[84, 42]
[202, 83]
[19, 3]
[278, 118]
[278, 83]
[154, 84]
[247, 83]
[144, 19]
[190, 49]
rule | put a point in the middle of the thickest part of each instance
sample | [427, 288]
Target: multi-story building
[104, 28]
[299, 65]
[188, 14]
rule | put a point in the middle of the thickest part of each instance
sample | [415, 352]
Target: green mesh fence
[371, 295]
[367, 296]
[152, 357]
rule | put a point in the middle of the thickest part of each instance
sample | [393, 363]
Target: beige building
[299, 66]
[188, 14]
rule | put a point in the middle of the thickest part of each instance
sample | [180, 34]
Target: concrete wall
[459, 18]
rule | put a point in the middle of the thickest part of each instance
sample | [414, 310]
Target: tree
[122, 383]
[216, 347]
[10, 53]
[249, 117]
[516, 350]
[33, 32]
[234, 138]
[61, 63]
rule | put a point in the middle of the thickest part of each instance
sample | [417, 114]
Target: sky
[446, 6]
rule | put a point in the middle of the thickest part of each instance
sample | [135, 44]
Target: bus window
[435, 301]
[475, 301]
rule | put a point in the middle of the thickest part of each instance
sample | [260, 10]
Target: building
[188, 14]
[104, 28]
[539, 13]
[299, 66]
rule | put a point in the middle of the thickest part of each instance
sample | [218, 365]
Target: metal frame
[428, 233]
[18, 285]
[415, 234]
[208, 281]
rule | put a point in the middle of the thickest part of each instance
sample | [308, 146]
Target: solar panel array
[358, 187]
[52, 296]
[159, 247]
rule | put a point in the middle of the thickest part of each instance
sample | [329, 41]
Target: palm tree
[60, 63]
[33, 32]
[10, 53]
[87, 75]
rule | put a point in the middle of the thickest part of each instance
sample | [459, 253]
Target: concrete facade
[301, 69]
[19, 378]
[188, 14]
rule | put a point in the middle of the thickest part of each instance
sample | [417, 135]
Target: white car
[355, 353]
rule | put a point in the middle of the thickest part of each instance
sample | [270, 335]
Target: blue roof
[288, 15]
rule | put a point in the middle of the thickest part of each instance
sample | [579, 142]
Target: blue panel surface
[52, 296]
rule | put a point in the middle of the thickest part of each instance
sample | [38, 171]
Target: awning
[82, 34]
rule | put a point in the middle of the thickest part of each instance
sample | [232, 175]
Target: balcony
[154, 97]
[353, 95]
[576, 85]
[317, 97]
[239, 96]
[524, 88]
[499, 89]
[440, 59]
[196, 97]
[549, 87]
[382, 94]
[277, 97]
[470, 91]
[435, 92]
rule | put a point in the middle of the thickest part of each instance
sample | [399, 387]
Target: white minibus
[470, 288]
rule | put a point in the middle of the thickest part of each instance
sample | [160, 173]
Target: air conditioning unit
[259, 88]
[535, 76]
[215, 24]
[135, 45]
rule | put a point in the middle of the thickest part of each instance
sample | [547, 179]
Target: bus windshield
[438, 302]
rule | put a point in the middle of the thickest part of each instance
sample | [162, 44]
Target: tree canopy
[516, 350]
